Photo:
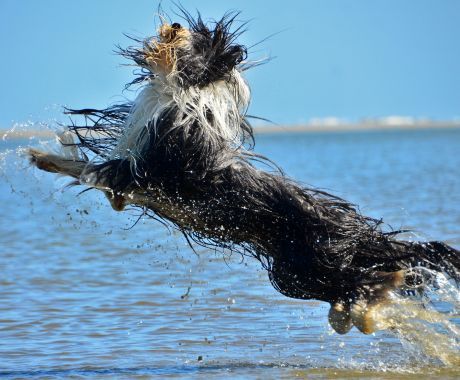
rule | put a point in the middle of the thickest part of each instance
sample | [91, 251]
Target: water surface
[88, 292]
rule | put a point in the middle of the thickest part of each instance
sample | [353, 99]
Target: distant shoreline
[356, 127]
[279, 129]
[12, 135]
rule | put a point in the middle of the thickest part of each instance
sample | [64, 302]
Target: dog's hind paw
[363, 309]
[340, 318]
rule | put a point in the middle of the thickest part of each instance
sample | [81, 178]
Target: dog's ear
[229, 58]
[213, 53]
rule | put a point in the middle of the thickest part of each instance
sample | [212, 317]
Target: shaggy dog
[182, 151]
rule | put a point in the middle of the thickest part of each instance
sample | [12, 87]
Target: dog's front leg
[56, 164]
[77, 169]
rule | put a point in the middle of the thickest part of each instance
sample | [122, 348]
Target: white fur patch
[226, 101]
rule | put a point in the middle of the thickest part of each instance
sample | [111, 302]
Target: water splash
[426, 325]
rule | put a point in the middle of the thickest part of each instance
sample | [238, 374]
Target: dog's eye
[176, 26]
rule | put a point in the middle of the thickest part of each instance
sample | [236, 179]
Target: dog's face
[196, 55]
[161, 51]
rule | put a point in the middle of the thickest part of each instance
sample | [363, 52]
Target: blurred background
[345, 59]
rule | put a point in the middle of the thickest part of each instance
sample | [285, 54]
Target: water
[87, 294]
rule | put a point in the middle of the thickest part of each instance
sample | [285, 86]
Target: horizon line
[316, 125]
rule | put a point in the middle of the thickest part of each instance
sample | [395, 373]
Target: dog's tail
[433, 255]
[416, 263]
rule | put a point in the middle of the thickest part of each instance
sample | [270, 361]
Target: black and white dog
[182, 151]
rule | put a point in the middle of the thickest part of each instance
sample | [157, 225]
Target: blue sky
[350, 59]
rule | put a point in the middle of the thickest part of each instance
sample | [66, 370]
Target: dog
[182, 151]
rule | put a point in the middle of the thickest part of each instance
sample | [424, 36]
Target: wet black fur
[214, 53]
[313, 244]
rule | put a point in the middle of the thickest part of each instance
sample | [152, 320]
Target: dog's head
[193, 55]
[194, 69]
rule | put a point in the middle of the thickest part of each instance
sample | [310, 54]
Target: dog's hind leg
[364, 308]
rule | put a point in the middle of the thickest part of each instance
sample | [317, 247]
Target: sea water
[89, 292]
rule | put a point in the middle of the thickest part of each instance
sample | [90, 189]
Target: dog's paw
[56, 164]
[363, 309]
[117, 200]
[340, 317]
[42, 160]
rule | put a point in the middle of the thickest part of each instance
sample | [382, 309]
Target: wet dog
[182, 151]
